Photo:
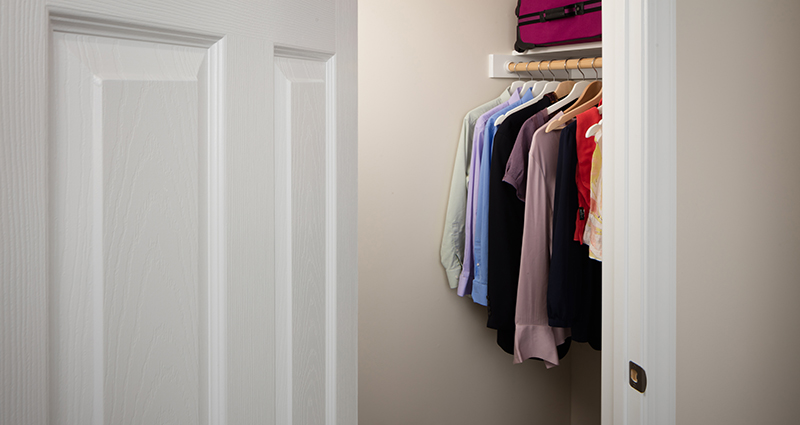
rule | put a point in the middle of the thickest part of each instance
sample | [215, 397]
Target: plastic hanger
[516, 84]
[541, 85]
[594, 128]
[549, 87]
[535, 86]
[591, 96]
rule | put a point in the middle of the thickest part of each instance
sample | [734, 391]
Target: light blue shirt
[481, 236]
[468, 267]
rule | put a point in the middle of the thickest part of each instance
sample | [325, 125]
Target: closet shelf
[498, 63]
[588, 49]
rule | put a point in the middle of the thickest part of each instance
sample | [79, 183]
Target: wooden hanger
[591, 96]
[578, 89]
[581, 107]
[588, 93]
[565, 87]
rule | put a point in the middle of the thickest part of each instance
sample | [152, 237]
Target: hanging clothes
[529, 203]
[585, 147]
[452, 250]
[575, 282]
[468, 268]
[593, 234]
[505, 220]
[481, 236]
[534, 337]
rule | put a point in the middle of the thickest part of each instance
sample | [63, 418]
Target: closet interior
[523, 236]
[426, 355]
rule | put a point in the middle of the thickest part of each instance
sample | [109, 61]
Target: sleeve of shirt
[452, 252]
[480, 252]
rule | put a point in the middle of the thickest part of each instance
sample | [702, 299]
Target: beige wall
[738, 209]
[425, 355]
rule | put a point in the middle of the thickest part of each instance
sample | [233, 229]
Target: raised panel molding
[69, 21]
[137, 261]
[306, 243]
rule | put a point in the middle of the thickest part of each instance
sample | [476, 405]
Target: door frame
[640, 190]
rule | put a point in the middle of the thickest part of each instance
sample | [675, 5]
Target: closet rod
[555, 65]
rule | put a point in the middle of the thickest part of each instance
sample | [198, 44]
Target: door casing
[639, 178]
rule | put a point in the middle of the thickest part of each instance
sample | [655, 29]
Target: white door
[178, 212]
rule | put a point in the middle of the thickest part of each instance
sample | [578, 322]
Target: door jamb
[640, 190]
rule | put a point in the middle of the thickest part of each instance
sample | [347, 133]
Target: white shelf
[498, 64]
[594, 48]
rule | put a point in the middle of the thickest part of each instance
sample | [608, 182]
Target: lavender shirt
[533, 335]
[517, 165]
[465, 280]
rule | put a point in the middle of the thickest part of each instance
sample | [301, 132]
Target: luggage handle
[566, 11]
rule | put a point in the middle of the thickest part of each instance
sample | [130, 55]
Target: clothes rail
[555, 65]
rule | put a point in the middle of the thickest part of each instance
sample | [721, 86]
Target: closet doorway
[424, 354]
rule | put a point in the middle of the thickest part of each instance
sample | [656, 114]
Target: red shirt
[583, 171]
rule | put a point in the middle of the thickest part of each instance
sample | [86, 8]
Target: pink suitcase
[543, 23]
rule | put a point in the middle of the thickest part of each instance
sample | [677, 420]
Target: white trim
[292, 52]
[661, 291]
[98, 265]
[217, 238]
[331, 277]
[283, 250]
[85, 23]
[639, 176]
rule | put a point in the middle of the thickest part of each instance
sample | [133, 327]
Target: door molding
[81, 22]
[640, 173]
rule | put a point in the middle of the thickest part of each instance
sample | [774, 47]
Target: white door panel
[178, 215]
[127, 292]
[304, 164]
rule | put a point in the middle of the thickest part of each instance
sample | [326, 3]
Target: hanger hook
[596, 74]
[527, 64]
[578, 65]
[549, 70]
[566, 70]
[539, 68]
